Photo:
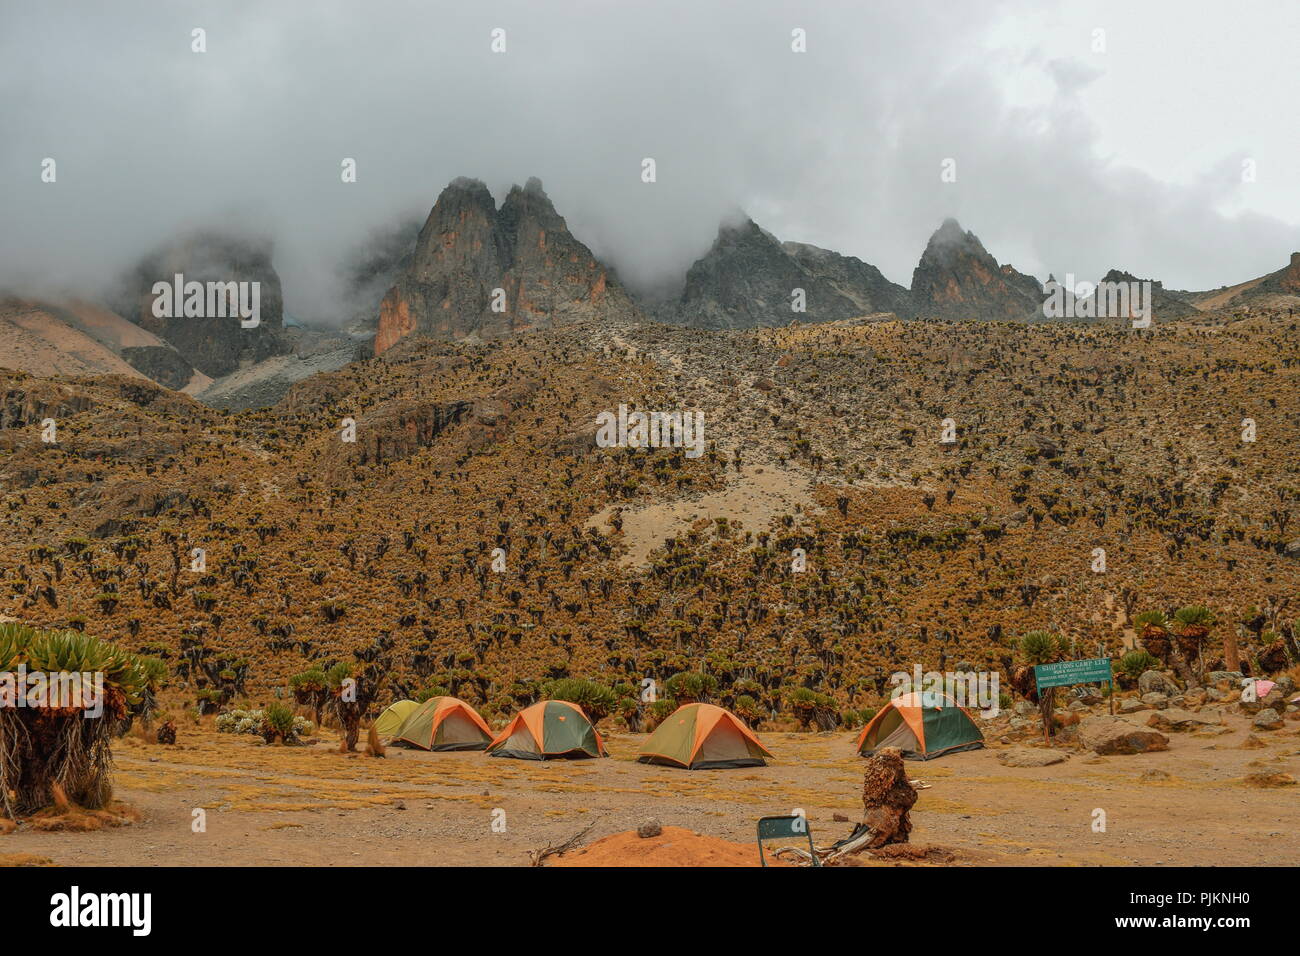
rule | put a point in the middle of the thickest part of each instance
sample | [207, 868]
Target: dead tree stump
[887, 796]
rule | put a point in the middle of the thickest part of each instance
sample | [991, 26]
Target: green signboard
[1072, 672]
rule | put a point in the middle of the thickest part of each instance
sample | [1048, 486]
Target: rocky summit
[750, 279]
[957, 278]
[483, 272]
[215, 345]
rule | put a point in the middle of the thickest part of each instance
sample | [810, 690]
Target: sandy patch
[753, 499]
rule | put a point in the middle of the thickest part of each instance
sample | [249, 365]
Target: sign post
[1065, 673]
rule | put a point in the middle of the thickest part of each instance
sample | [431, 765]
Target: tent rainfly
[445, 723]
[920, 732]
[390, 721]
[549, 729]
[701, 737]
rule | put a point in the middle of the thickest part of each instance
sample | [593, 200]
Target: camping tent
[702, 736]
[390, 721]
[552, 728]
[445, 723]
[921, 733]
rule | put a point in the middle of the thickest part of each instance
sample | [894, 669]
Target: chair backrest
[785, 828]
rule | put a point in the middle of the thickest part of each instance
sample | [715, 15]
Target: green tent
[390, 721]
[552, 728]
[702, 736]
[921, 732]
[444, 723]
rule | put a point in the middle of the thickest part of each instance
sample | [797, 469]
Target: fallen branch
[539, 856]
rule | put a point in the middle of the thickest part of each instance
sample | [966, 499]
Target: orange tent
[921, 732]
[552, 728]
[702, 736]
[445, 723]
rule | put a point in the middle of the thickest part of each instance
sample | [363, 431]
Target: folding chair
[791, 827]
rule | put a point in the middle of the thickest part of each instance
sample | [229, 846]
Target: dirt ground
[310, 805]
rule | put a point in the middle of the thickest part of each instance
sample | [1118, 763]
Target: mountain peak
[479, 271]
[749, 279]
[958, 278]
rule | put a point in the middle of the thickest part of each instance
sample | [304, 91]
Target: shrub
[310, 689]
[251, 721]
[596, 700]
[1135, 663]
[433, 690]
[810, 707]
[1040, 647]
[277, 723]
[660, 710]
[749, 710]
[691, 687]
[41, 745]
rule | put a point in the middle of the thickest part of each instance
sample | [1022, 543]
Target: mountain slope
[78, 338]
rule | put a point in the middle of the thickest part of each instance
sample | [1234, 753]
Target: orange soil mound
[674, 847]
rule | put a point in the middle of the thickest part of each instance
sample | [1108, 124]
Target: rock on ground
[1030, 757]
[1178, 720]
[1115, 735]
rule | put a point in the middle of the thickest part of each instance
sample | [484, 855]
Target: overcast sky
[1068, 159]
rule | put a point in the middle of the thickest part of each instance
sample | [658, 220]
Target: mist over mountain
[841, 147]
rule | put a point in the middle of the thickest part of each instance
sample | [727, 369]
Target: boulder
[1173, 719]
[1030, 757]
[1217, 677]
[1155, 700]
[1267, 719]
[1156, 682]
[1087, 694]
[1132, 705]
[1115, 735]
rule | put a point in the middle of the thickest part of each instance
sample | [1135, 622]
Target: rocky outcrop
[1116, 735]
[1165, 305]
[859, 282]
[958, 279]
[1285, 281]
[478, 271]
[214, 345]
[1288, 280]
[749, 279]
[161, 363]
[374, 267]
[1280, 289]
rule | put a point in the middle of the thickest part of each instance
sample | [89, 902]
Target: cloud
[840, 146]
